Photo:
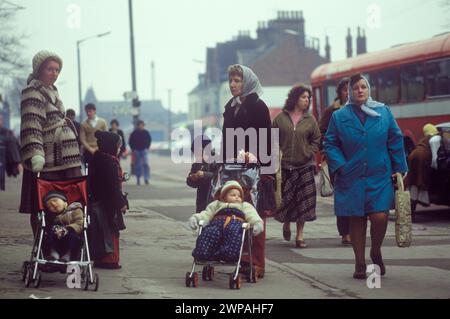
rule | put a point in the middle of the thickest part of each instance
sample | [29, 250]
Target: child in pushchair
[227, 223]
[223, 218]
[61, 235]
[64, 227]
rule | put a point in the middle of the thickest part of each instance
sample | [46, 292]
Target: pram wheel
[28, 275]
[87, 281]
[24, 269]
[253, 277]
[37, 280]
[191, 281]
[208, 273]
[235, 283]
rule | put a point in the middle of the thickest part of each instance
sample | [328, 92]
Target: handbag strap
[325, 172]
[400, 185]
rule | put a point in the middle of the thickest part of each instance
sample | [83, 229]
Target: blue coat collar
[351, 119]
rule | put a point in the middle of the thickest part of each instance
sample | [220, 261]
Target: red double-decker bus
[413, 79]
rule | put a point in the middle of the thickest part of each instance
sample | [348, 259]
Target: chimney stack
[327, 49]
[349, 44]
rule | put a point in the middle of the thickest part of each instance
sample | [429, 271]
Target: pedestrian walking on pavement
[246, 110]
[114, 128]
[364, 148]
[92, 124]
[9, 154]
[343, 222]
[140, 141]
[299, 139]
[48, 142]
[108, 203]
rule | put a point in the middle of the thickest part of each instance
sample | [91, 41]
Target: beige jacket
[87, 133]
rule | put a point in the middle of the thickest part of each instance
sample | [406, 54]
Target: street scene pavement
[157, 244]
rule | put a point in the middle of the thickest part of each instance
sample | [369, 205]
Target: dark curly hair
[294, 95]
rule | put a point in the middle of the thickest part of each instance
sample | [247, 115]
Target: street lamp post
[169, 104]
[79, 68]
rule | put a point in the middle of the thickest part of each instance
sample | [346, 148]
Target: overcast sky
[176, 33]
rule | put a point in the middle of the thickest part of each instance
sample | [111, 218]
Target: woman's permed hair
[294, 95]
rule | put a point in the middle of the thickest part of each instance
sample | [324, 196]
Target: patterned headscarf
[251, 84]
[370, 103]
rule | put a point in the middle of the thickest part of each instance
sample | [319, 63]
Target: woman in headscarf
[364, 148]
[246, 110]
[48, 139]
[299, 141]
[343, 222]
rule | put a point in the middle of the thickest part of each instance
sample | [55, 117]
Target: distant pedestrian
[92, 124]
[364, 148]
[48, 143]
[420, 170]
[114, 128]
[9, 154]
[140, 141]
[299, 141]
[70, 113]
[343, 222]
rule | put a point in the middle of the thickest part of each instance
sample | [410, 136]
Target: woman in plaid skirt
[299, 140]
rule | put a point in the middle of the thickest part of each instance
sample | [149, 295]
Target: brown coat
[419, 163]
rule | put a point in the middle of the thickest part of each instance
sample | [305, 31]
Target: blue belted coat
[366, 157]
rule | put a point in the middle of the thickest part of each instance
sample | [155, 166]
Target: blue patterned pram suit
[221, 239]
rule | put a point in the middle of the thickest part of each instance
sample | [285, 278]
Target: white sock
[54, 254]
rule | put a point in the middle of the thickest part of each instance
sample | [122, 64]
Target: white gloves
[193, 222]
[258, 228]
[37, 163]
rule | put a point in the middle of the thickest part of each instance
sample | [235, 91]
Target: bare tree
[12, 62]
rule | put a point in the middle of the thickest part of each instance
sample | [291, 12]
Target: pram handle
[246, 226]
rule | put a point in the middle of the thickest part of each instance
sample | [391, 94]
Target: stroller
[248, 176]
[76, 190]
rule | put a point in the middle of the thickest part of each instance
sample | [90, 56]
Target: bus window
[372, 77]
[438, 77]
[330, 91]
[413, 83]
[318, 102]
[389, 87]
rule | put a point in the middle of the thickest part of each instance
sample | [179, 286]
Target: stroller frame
[191, 278]
[30, 268]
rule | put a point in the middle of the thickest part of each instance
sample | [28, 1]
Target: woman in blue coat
[364, 146]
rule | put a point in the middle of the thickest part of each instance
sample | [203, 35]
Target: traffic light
[136, 102]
